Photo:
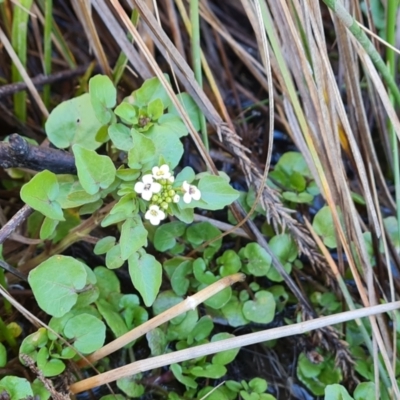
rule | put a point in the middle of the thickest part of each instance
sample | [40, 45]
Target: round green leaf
[87, 332]
[145, 272]
[285, 249]
[127, 112]
[165, 236]
[130, 387]
[74, 122]
[324, 226]
[262, 309]
[103, 96]
[41, 193]
[258, 260]
[55, 284]
[120, 135]
[95, 172]
[15, 387]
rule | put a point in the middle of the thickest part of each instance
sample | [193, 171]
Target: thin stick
[14, 222]
[228, 344]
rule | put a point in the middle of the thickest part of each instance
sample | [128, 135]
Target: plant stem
[196, 60]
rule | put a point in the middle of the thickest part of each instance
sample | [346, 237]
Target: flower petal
[187, 198]
[139, 186]
[196, 194]
[148, 178]
[155, 187]
[147, 195]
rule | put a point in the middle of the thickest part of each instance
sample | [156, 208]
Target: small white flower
[154, 215]
[191, 192]
[171, 179]
[161, 172]
[147, 187]
[176, 198]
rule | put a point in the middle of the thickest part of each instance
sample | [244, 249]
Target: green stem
[48, 22]
[337, 7]
[391, 14]
[196, 60]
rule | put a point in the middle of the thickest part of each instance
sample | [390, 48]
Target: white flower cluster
[157, 188]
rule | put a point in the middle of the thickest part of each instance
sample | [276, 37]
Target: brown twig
[40, 80]
[17, 153]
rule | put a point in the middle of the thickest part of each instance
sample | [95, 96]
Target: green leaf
[298, 198]
[230, 263]
[127, 112]
[103, 96]
[364, 390]
[214, 371]
[324, 226]
[258, 261]
[339, 392]
[112, 318]
[151, 89]
[219, 299]
[49, 366]
[87, 332]
[165, 236]
[55, 283]
[104, 244]
[216, 193]
[156, 341]
[143, 153]
[179, 282]
[146, 273]
[232, 311]
[227, 356]
[3, 356]
[187, 174]
[185, 380]
[292, 162]
[15, 387]
[74, 122]
[39, 390]
[190, 107]
[95, 172]
[262, 309]
[258, 385]
[133, 237]
[181, 330]
[201, 331]
[107, 281]
[41, 193]
[167, 144]
[285, 249]
[168, 125]
[48, 227]
[113, 257]
[201, 232]
[155, 109]
[121, 137]
[131, 388]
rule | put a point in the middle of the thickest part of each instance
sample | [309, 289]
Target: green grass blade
[18, 40]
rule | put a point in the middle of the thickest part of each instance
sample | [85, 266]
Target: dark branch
[18, 153]
[41, 80]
